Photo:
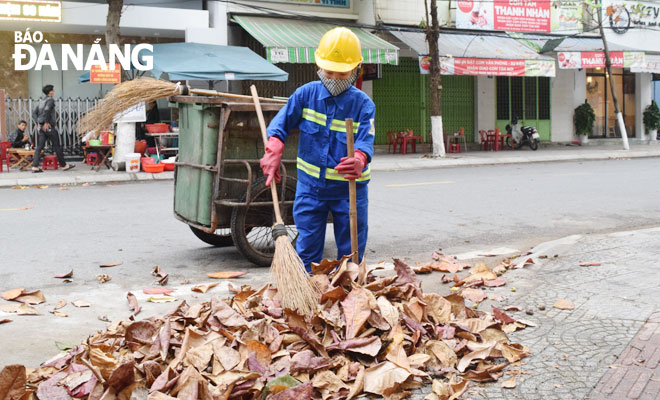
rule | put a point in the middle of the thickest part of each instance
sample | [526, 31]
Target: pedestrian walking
[46, 117]
[318, 109]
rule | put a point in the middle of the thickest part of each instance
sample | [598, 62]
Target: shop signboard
[632, 24]
[651, 64]
[98, 75]
[327, 3]
[596, 59]
[489, 66]
[26, 10]
[556, 16]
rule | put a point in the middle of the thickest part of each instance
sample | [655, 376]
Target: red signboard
[98, 75]
[522, 16]
[596, 59]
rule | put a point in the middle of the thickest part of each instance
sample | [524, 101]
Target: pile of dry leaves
[370, 335]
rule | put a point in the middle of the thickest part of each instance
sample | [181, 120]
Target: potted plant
[652, 120]
[583, 120]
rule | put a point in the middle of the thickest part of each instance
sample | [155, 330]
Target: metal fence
[69, 112]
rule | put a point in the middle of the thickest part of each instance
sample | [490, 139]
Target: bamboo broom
[129, 93]
[297, 292]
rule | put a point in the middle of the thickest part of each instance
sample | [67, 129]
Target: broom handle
[204, 92]
[264, 136]
[352, 193]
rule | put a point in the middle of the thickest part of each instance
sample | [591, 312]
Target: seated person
[153, 117]
[18, 137]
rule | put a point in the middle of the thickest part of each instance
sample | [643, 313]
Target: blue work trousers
[311, 217]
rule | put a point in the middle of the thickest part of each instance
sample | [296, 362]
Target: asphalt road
[412, 213]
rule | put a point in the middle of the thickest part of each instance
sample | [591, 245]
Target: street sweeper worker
[319, 109]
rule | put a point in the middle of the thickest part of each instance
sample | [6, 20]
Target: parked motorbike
[523, 135]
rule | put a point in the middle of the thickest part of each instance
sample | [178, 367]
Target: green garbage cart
[219, 189]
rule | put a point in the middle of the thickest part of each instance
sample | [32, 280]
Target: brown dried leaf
[133, 303]
[299, 392]
[438, 308]
[475, 355]
[35, 297]
[509, 383]
[445, 354]
[59, 314]
[122, 377]
[12, 382]
[64, 276]
[356, 311]
[334, 294]
[60, 304]
[25, 309]
[495, 282]
[103, 278]
[474, 295]
[161, 291]
[260, 350]
[226, 274]
[227, 315]
[368, 345]
[228, 357]
[474, 325]
[589, 264]
[12, 294]
[305, 361]
[388, 311]
[358, 385]
[4, 321]
[200, 356]
[564, 304]
[204, 288]
[81, 304]
[140, 332]
[111, 264]
[384, 377]
[501, 316]
[480, 272]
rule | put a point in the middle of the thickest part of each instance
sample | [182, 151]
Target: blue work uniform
[320, 117]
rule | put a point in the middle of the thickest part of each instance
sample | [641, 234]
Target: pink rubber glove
[270, 162]
[352, 166]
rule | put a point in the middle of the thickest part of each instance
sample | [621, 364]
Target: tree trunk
[432, 33]
[608, 67]
[112, 34]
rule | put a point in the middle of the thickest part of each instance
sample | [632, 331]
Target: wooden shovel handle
[264, 136]
[204, 92]
[352, 189]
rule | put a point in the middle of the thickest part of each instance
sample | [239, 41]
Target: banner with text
[596, 59]
[555, 16]
[490, 66]
[651, 64]
[98, 75]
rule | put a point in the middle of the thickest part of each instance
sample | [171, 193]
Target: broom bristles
[123, 96]
[296, 290]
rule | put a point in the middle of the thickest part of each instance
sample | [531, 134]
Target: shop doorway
[527, 98]
[599, 96]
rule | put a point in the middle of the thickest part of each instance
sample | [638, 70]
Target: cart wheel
[222, 237]
[251, 226]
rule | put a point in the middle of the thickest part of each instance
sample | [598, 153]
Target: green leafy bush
[652, 117]
[583, 119]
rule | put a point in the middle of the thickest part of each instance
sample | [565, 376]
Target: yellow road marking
[419, 184]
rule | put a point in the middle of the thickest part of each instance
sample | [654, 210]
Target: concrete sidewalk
[383, 161]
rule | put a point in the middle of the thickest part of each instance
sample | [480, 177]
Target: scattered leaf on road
[160, 274]
[59, 314]
[110, 265]
[41, 186]
[81, 304]
[165, 291]
[474, 295]
[60, 304]
[4, 321]
[226, 274]
[12, 294]
[25, 309]
[20, 187]
[103, 278]
[13, 382]
[17, 208]
[133, 303]
[161, 299]
[64, 276]
[204, 288]
[564, 304]
[509, 383]
[589, 264]
[35, 297]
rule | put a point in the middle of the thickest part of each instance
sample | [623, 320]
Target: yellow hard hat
[339, 50]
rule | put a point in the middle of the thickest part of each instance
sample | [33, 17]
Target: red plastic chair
[50, 162]
[483, 136]
[392, 141]
[4, 156]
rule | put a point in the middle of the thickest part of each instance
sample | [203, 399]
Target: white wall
[567, 91]
[485, 105]
[643, 97]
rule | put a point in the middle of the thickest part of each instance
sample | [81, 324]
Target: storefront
[599, 96]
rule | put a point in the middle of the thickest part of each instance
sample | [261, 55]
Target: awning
[197, 61]
[294, 41]
[462, 54]
[472, 46]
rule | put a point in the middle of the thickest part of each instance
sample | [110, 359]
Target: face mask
[337, 86]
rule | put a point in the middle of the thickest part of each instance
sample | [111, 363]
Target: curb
[87, 178]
